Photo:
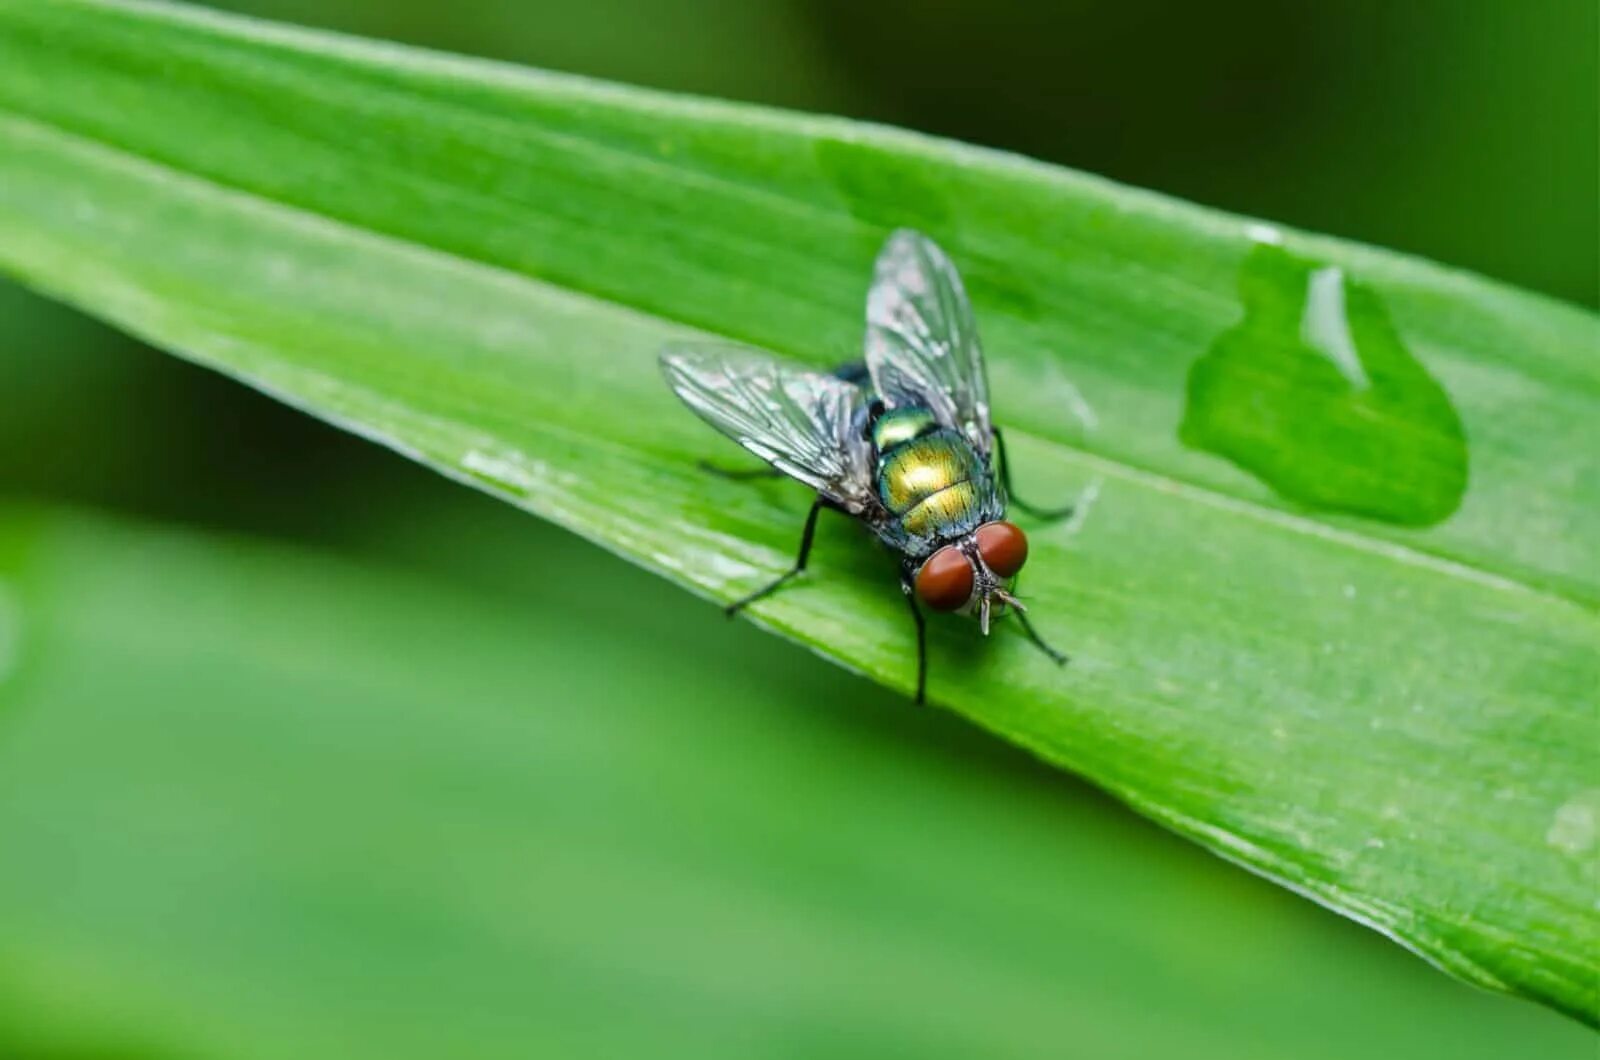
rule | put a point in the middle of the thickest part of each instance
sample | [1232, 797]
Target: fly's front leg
[1060, 657]
[922, 640]
[1005, 482]
[798, 568]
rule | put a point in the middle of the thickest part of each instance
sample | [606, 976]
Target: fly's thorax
[897, 427]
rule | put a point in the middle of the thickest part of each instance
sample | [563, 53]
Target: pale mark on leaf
[1263, 233]
[513, 470]
[1080, 508]
[1576, 823]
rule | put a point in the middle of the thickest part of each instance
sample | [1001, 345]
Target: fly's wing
[922, 343]
[805, 424]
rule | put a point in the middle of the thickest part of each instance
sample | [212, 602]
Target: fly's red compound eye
[1003, 546]
[945, 581]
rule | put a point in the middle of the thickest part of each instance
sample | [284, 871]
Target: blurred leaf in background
[1462, 130]
[242, 831]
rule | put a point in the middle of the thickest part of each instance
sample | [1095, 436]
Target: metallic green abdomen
[935, 484]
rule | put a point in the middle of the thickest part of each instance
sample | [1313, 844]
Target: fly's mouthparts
[986, 603]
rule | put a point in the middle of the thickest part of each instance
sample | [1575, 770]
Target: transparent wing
[805, 424]
[922, 343]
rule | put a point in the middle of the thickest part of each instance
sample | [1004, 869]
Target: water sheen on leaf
[1316, 394]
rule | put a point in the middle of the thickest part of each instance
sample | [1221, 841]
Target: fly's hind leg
[798, 568]
[922, 641]
[1051, 514]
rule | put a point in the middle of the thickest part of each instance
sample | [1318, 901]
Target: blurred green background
[305, 752]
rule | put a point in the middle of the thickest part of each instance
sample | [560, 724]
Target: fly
[902, 442]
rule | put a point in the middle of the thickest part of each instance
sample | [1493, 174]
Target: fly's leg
[739, 474]
[922, 641]
[853, 372]
[798, 568]
[1039, 642]
[1005, 481]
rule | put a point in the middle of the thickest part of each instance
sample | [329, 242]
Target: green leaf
[242, 830]
[1385, 705]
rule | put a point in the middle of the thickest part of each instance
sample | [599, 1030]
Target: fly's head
[973, 574]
